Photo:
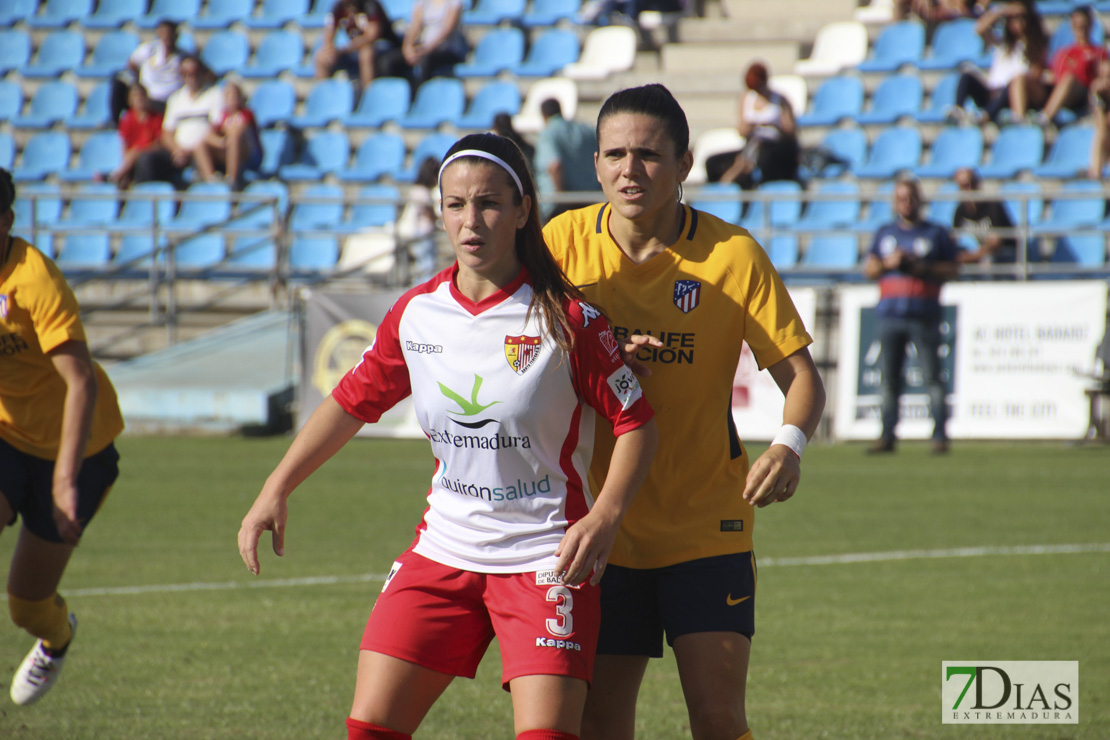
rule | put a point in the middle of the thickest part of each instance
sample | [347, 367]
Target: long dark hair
[550, 286]
[7, 191]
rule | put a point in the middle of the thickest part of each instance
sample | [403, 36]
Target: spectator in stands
[1016, 78]
[1074, 68]
[190, 114]
[911, 258]
[564, 160]
[373, 48]
[416, 226]
[434, 41]
[140, 130]
[503, 126]
[232, 145]
[1100, 108]
[58, 420]
[938, 11]
[983, 219]
[156, 65]
[766, 121]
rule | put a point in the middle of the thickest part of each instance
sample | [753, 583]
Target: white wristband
[792, 437]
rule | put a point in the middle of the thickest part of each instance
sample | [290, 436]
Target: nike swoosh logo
[733, 602]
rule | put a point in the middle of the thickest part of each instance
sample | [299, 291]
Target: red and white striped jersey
[509, 415]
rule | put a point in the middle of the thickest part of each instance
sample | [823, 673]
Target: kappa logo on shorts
[558, 644]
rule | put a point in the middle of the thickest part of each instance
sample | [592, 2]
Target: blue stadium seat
[1070, 153]
[953, 148]
[7, 150]
[16, 11]
[272, 102]
[114, 13]
[831, 214]
[15, 49]
[369, 215]
[549, 13]
[433, 145]
[896, 96]
[276, 13]
[552, 50]
[83, 251]
[1016, 149]
[880, 210]
[943, 210]
[95, 204]
[45, 153]
[783, 211]
[398, 10]
[97, 112]
[53, 102]
[171, 10]
[323, 214]
[226, 51]
[218, 15]
[783, 251]
[1084, 250]
[1070, 213]
[498, 50]
[146, 204]
[721, 199]
[60, 13]
[313, 254]
[60, 51]
[11, 99]
[832, 252]
[437, 101]
[255, 216]
[315, 17]
[955, 42]
[898, 44]
[849, 144]
[277, 151]
[109, 55]
[329, 100]
[1024, 211]
[386, 99]
[381, 154]
[941, 99]
[324, 153]
[99, 155]
[212, 205]
[307, 69]
[894, 150]
[137, 250]
[492, 12]
[837, 98]
[199, 252]
[251, 254]
[38, 204]
[279, 51]
[496, 96]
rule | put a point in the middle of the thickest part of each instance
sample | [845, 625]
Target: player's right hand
[635, 343]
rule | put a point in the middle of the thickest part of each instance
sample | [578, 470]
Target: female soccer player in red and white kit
[507, 365]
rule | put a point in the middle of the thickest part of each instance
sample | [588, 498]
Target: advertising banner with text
[1015, 359]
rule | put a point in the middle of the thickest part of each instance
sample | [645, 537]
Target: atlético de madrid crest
[687, 295]
[521, 352]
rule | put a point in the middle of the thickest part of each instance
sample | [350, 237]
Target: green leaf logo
[468, 407]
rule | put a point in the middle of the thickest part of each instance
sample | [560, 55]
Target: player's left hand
[635, 343]
[585, 548]
[774, 476]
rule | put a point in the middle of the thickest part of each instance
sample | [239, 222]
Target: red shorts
[444, 618]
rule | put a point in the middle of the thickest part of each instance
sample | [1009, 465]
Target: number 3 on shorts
[564, 602]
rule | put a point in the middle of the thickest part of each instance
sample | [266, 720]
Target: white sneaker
[38, 672]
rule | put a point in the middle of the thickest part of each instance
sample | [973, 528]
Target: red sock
[357, 730]
[545, 735]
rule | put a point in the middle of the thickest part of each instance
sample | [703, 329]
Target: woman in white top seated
[1016, 77]
[766, 121]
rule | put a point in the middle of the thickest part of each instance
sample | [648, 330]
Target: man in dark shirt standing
[911, 258]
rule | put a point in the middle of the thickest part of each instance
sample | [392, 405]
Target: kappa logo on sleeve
[589, 313]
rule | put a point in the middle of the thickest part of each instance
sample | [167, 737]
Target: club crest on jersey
[521, 352]
[687, 295]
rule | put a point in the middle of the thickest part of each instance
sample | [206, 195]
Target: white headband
[484, 155]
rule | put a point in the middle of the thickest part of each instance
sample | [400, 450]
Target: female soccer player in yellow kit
[683, 565]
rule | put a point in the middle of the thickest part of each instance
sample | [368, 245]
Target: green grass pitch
[177, 640]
